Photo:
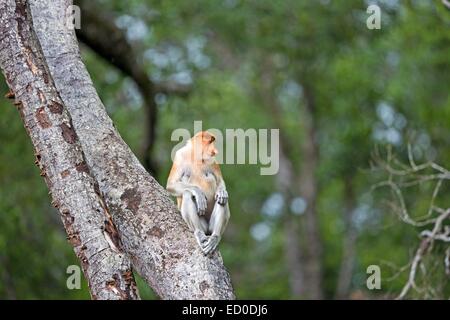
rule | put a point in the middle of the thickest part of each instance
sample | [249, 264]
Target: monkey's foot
[211, 244]
[201, 238]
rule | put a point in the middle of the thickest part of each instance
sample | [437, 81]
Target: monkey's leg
[217, 224]
[190, 215]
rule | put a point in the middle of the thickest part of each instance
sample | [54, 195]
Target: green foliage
[371, 87]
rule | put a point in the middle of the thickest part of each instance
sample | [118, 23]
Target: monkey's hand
[210, 245]
[200, 200]
[221, 197]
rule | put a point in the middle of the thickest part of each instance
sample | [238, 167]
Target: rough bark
[100, 33]
[60, 158]
[308, 190]
[162, 249]
[349, 244]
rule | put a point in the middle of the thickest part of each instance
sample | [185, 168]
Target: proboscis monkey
[195, 179]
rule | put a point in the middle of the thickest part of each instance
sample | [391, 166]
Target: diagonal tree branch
[161, 247]
[446, 3]
[60, 157]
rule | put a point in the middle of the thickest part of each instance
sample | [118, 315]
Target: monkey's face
[210, 151]
[204, 148]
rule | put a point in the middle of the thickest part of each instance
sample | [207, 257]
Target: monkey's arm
[221, 195]
[220, 215]
[177, 187]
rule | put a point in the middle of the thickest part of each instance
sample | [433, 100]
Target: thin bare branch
[400, 176]
[424, 246]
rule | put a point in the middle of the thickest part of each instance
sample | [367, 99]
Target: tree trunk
[312, 243]
[292, 250]
[285, 179]
[154, 236]
[60, 158]
[293, 259]
[348, 249]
